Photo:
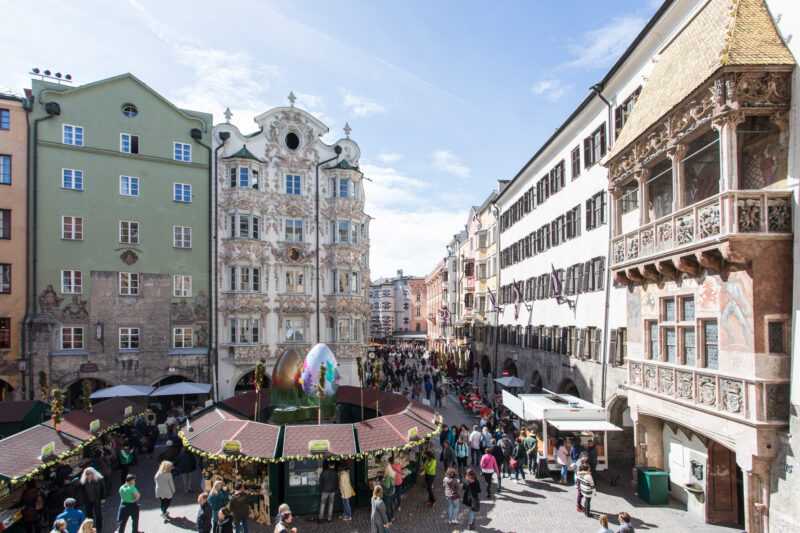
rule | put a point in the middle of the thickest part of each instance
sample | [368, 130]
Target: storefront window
[701, 168]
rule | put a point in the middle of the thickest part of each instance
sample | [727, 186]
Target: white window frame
[295, 275]
[184, 245]
[182, 157]
[74, 235]
[133, 283]
[286, 184]
[239, 325]
[184, 187]
[73, 141]
[75, 282]
[130, 336]
[186, 336]
[291, 320]
[182, 285]
[73, 178]
[294, 229]
[130, 181]
[73, 330]
[131, 224]
[130, 137]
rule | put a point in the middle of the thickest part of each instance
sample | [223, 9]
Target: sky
[444, 98]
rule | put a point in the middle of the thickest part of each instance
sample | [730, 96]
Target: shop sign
[412, 433]
[319, 446]
[231, 446]
[48, 450]
[88, 368]
[94, 426]
[128, 411]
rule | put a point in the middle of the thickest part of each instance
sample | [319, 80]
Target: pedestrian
[328, 485]
[59, 526]
[625, 523]
[531, 451]
[129, 497]
[224, 521]
[518, 458]
[429, 467]
[285, 519]
[603, 519]
[585, 486]
[443, 437]
[475, 446]
[125, 459]
[186, 465]
[452, 495]
[488, 468]
[438, 394]
[500, 458]
[486, 438]
[472, 497]
[165, 487]
[506, 446]
[240, 508]
[379, 520]
[94, 492]
[562, 458]
[72, 516]
[448, 456]
[217, 499]
[387, 482]
[87, 526]
[203, 513]
[399, 479]
[346, 492]
[591, 453]
[462, 453]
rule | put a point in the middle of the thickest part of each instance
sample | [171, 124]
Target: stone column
[644, 198]
[729, 150]
[676, 155]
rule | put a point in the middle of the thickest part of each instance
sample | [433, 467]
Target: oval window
[292, 140]
[129, 110]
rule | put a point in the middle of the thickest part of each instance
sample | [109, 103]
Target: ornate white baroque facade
[266, 240]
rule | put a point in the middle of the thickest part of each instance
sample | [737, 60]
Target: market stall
[235, 449]
[562, 416]
[305, 451]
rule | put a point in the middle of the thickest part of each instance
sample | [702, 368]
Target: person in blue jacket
[72, 516]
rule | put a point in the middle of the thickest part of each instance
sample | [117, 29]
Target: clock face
[294, 254]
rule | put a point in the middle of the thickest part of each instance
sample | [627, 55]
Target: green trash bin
[653, 485]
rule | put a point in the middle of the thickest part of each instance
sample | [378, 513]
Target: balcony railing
[734, 397]
[733, 212]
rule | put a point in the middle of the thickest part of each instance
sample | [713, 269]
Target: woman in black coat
[471, 489]
[203, 514]
[94, 492]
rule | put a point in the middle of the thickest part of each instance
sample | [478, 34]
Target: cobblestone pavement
[533, 506]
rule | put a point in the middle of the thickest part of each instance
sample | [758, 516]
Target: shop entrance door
[723, 496]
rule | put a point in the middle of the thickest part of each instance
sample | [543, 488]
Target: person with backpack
[240, 508]
[471, 489]
[462, 453]
[506, 446]
[518, 458]
[531, 452]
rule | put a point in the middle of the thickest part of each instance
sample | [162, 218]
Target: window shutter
[601, 274]
[588, 152]
[232, 220]
[612, 347]
[603, 207]
[589, 218]
[561, 172]
[596, 344]
[578, 221]
[579, 352]
[618, 119]
[587, 277]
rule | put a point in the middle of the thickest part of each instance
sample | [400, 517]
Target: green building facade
[120, 248]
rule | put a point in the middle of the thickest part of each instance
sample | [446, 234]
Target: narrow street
[526, 507]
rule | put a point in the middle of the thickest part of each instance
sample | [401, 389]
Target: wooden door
[721, 491]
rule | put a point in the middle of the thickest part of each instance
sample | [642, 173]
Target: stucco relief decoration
[779, 215]
[778, 401]
[685, 387]
[684, 229]
[647, 237]
[666, 382]
[201, 306]
[762, 89]
[707, 390]
[708, 221]
[636, 374]
[49, 300]
[249, 354]
[748, 215]
[633, 247]
[181, 312]
[731, 395]
[201, 337]
[129, 257]
[664, 234]
[75, 310]
[650, 378]
[619, 251]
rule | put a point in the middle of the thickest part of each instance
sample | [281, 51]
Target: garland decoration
[86, 395]
[57, 406]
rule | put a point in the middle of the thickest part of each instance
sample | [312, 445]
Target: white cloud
[602, 46]
[390, 157]
[447, 161]
[552, 89]
[360, 106]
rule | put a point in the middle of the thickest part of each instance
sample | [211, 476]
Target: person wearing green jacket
[429, 468]
[530, 450]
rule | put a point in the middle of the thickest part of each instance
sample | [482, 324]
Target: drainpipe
[598, 90]
[52, 109]
[197, 135]
[497, 248]
[338, 150]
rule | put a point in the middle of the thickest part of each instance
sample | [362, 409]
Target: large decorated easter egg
[286, 373]
[318, 356]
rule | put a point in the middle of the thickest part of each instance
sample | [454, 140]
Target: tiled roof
[19, 454]
[378, 433]
[723, 33]
[390, 403]
[16, 411]
[340, 436]
[108, 412]
[215, 426]
[423, 412]
[209, 419]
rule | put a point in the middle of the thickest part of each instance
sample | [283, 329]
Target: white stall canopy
[584, 425]
[564, 411]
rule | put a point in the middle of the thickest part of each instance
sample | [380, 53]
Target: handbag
[513, 463]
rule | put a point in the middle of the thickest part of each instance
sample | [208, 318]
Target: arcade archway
[6, 391]
[74, 393]
[568, 386]
[169, 380]
[247, 382]
[509, 368]
[536, 383]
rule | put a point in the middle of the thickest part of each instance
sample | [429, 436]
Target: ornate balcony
[744, 399]
[707, 224]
